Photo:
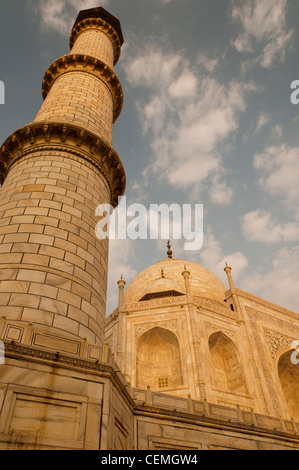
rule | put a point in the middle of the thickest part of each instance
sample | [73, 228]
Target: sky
[207, 119]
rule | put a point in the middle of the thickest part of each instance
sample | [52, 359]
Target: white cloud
[264, 24]
[121, 262]
[259, 226]
[279, 284]
[263, 120]
[188, 118]
[220, 192]
[213, 257]
[276, 132]
[152, 69]
[209, 63]
[275, 49]
[59, 15]
[280, 168]
[184, 87]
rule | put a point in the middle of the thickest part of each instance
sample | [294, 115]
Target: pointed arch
[288, 373]
[227, 369]
[158, 360]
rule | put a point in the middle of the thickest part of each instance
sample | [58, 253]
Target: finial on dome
[227, 267]
[169, 252]
[121, 282]
[162, 274]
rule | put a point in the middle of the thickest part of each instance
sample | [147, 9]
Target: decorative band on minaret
[54, 172]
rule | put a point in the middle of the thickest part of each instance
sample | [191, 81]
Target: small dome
[203, 283]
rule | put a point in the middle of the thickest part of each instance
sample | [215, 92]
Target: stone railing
[209, 411]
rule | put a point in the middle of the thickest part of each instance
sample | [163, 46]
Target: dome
[166, 276]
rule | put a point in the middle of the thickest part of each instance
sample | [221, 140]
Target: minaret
[55, 171]
[235, 299]
[121, 326]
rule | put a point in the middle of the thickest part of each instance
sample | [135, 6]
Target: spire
[186, 275]
[169, 252]
[121, 284]
[236, 304]
[228, 269]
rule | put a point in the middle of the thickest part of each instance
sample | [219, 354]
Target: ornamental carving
[277, 341]
[212, 328]
[97, 23]
[213, 305]
[109, 340]
[172, 325]
[266, 373]
[181, 299]
[85, 63]
[234, 405]
[69, 139]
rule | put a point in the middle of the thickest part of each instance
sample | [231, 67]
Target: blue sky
[207, 119]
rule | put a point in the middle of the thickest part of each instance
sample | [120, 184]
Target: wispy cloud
[213, 257]
[279, 169]
[264, 30]
[279, 282]
[207, 62]
[121, 262]
[260, 226]
[263, 120]
[189, 117]
[59, 15]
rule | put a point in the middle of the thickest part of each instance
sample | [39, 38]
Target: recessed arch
[288, 373]
[158, 360]
[227, 370]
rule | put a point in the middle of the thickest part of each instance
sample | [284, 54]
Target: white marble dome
[166, 276]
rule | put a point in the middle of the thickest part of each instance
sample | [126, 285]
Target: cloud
[259, 226]
[207, 62]
[184, 87]
[279, 166]
[264, 27]
[121, 262]
[220, 192]
[59, 15]
[276, 132]
[152, 69]
[279, 283]
[188, 117]
[263, 120]
[275, 50]
[214, 258]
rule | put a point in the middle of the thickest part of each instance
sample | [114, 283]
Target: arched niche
[227, 370]
[158, 360]
[288, 373]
